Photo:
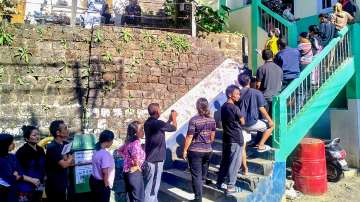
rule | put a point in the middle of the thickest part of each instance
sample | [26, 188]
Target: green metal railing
[269, 19]
[300, 105]
[262, 16]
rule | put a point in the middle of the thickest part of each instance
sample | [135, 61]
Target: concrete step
[251, 151]
[171, 193]
[248, 182]
[256, 165]
[181, 180]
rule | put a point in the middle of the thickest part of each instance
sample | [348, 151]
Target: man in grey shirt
[269, 79]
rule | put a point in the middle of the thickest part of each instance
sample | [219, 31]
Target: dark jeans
[5, 194]
[134, 184]
[54, 195]
[199, 165]
[99, 192]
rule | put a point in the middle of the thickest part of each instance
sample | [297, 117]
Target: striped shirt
[306, 53]
[201, 128]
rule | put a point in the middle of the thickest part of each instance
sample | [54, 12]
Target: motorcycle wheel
[333, 172]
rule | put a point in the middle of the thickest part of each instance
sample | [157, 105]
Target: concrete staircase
[176, 181]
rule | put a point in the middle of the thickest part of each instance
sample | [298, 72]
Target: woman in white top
[103, 164]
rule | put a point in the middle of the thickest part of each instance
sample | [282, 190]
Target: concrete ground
[346, 190]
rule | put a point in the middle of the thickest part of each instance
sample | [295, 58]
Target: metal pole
[193, 21]
[73, 12]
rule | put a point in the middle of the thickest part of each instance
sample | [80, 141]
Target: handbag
[145, 167]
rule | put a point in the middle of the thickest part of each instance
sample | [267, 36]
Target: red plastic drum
[309, 167]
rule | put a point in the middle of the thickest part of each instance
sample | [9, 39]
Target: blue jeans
[152, 181]
[230, 163]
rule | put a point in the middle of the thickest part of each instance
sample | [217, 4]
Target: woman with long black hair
[103, 164]
[134, 157]
[32, 161]
[197, 146]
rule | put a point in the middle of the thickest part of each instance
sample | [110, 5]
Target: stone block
[177, 80]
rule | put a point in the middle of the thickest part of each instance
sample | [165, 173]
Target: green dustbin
[83, 148]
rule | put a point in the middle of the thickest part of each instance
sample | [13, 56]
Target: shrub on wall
[210, 20]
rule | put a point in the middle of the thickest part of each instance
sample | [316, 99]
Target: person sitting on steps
[251, 103]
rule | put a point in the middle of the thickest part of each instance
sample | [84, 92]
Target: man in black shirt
[155, 149]
[232, 140]
[56, 164]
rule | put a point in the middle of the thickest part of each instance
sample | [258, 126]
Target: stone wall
[104, 78]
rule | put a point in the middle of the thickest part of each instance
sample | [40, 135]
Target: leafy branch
[180, 43]
[40, 31]
[23, 54]
[107, 57]
[6, 38]
[64, 43]
[98, 37]
[126, 36]
[148, 37]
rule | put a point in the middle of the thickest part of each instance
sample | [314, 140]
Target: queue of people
[24, 176]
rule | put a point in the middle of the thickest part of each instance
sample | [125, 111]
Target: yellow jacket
[44, 142]
[272, 45]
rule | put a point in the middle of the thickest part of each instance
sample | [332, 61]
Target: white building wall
[305, 8]
[234, 4]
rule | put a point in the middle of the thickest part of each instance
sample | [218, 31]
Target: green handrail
[275, 15]
[280, 112]
[309, 68]
[291, 27]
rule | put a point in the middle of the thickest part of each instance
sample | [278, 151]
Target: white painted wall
[33, 6]
[212, 88]
[305, 8]
[348, 131]
[234, 4]
[240, 21]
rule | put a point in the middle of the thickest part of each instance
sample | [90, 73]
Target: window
[326, 4]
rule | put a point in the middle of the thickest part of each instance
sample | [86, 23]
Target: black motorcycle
[335, 160]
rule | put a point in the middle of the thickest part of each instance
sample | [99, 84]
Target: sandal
[263, 149]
